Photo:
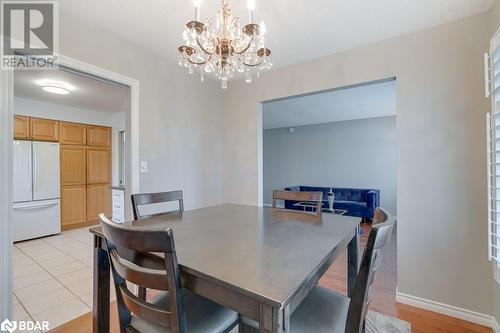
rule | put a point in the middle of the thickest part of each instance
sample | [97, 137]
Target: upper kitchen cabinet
[72, 133]
[44, 129]
[99, 136]
[21, 128]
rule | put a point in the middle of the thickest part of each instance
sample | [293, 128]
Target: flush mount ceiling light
[56, 87]
[221, 46]
[55, 90]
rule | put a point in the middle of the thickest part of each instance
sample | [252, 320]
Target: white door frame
[6, 114]
[6, 106]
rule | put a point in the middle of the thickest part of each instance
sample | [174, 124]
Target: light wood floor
[383, 301]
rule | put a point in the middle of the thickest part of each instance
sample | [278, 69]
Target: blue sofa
[357, 202]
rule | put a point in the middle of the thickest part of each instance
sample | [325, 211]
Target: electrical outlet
[144, 166]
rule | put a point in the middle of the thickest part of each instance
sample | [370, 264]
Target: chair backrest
[380, 215]
[314, 197]
[144, 199]
[129, 251]
[371, 262]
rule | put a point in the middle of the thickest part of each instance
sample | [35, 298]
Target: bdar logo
[8, 326]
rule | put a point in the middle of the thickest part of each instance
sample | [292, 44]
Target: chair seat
[202, 315]
[322, 311]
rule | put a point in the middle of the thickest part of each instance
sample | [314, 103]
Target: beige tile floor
[53, 277]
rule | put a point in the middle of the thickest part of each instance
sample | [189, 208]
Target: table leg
[271, 319]
[352, 262]
[101, 276]
[286, 319]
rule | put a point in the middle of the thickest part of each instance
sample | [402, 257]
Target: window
[492, 78]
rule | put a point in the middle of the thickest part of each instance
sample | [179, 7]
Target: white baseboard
[496, 326]
[449, 310]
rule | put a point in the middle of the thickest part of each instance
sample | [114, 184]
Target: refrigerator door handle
[35, 178]
[35, 205]
[30, 176]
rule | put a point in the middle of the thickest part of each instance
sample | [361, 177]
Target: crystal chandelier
[220, 46]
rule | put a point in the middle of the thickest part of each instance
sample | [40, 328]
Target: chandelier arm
[199, 62]
[254, 65]
[245, 49]
[202, 48]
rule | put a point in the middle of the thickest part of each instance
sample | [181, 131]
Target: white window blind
[492, 88]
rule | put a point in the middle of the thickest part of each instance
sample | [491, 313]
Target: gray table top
[254, 250]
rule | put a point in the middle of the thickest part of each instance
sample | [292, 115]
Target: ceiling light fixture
[222, 47]
[56, 90]
[56, 87]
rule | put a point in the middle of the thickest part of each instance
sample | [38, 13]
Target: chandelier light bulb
[197, 5]
[251, 7]
[251, 4]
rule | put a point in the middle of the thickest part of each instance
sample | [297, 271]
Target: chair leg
[142, 293]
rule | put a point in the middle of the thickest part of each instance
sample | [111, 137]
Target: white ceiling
[88, 93]
[297, 30]
[369, 101]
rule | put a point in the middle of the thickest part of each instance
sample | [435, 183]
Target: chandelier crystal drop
[220, 46]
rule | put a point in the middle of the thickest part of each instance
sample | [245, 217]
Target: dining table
[257, 261]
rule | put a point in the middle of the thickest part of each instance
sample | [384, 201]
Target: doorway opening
[341, 142]
[75, 146]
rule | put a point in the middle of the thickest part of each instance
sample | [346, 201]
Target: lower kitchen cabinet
[73, 205]
[98, 201]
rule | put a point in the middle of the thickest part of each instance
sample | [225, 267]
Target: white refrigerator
[36, 190]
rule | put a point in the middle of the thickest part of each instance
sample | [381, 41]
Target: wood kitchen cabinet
[98, 165]
[44, 129]
[21, 128]
[85, 166]
[98, 201]
[73, 165]
[72, 133]
[73, 206]
[98, 136]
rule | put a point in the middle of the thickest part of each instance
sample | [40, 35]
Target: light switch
[144, 166]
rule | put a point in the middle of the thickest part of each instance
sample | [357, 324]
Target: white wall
[116, 120]
[441, 165]
[180, 118]
[30, 107]
[355, 154]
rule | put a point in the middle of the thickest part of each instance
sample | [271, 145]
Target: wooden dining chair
[174, 309]
[145, 199]
[312, 197]
[325, 311]
[380, 215]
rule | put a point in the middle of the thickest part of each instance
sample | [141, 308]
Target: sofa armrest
[373, 199]
[293, 188]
